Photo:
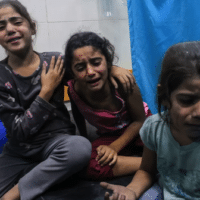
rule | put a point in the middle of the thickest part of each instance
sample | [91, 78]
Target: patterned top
[104, 120]
[177, 165]
[28, 119]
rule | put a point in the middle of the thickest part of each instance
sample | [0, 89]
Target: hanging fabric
[155, 25]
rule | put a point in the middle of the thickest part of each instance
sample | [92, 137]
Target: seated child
[117, 115]
[42, 148]
[172, 137]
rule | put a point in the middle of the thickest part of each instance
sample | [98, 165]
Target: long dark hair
[19, 8]
[82, 39]
[181, 61]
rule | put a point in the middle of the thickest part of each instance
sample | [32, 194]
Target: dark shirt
[28, 119]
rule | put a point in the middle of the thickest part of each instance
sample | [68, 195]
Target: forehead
[86, 52]
[7, 12]
[190, 85]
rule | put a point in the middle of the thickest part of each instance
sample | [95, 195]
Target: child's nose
[196, 112]
[10, 28]
[90, 70]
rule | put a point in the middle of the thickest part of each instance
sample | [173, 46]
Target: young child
[42, 149]
[171, 138]
[118, 116]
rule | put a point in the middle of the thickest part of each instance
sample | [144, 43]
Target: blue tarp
[154, 26]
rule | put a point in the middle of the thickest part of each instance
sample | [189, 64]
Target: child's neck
[102, 99]
[183, 140]
[24, 63]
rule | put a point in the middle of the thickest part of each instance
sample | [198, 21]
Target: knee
[82, 147]
[79, 150]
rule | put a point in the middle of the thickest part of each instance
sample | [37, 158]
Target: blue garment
[3, 138]
[178, 166]
[155, 25]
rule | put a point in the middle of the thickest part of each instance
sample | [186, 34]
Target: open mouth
[93, 81]
[14, 39]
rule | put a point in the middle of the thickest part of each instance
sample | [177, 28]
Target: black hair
[181, 61]
[82, 39]
[19, 8]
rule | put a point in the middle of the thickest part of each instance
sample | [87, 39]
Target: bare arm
[124, 76]
[142, 181]
[108, 154]
[146, 175]
[135, 107]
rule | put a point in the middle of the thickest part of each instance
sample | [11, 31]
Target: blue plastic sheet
[154, 26]
[3, 138]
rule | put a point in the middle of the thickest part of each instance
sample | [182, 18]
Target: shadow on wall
[3, 138]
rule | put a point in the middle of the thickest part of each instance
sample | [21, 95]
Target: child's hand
[51, 79]
[106, 155]
[124, 76]
[119, 192]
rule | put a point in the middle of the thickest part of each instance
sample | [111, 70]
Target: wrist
[46, 94]
[114, 147]
[132, 189]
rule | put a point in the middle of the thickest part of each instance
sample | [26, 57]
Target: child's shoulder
[153, 130]
[155, 122]
[156, 118]
[48, 55]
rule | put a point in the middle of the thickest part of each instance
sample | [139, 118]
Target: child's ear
[34, 29]
[165, 102]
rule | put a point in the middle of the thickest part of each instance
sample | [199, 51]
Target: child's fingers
[100, 154]
[58, 63]
[60, 69]
[113, 81]
[114, 160]
[107, 196]
[115, 196]
[99, 148]
[103, 159]
[108, 160]
[44, 68]
[52, 63]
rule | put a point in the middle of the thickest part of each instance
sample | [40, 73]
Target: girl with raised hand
[117, 115]
[172, 137]
[42, 149]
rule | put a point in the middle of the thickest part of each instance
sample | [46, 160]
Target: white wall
[57, 20]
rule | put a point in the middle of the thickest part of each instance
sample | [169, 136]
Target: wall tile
[71, 10]
[37, 9]
[42, 39]
[112, 9]
[59, 33]
[117, 31]
[2, 53]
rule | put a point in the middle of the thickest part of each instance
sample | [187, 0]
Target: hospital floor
[79, 189]
[76, 188]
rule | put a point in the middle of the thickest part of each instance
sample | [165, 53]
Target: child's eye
[80, 67]
[96, 62]
[187, 101]
[18, 22]
[2, 28]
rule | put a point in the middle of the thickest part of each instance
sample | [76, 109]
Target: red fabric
[107, 123]
[97, 172]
